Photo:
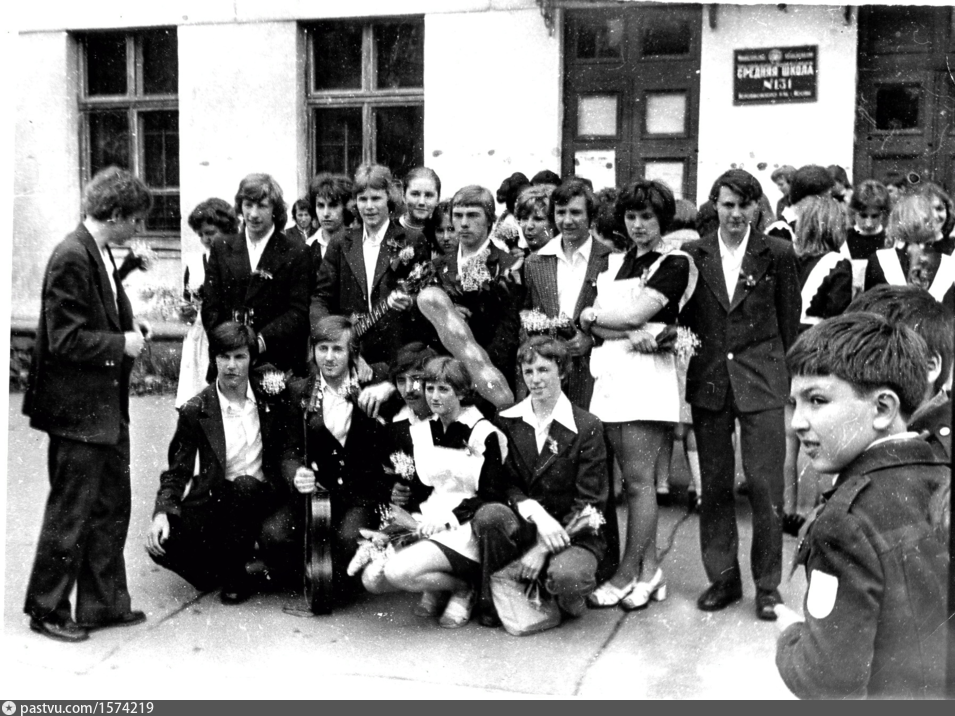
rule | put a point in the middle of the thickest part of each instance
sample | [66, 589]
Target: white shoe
[458, 611]
[643, 592]
[607, 595]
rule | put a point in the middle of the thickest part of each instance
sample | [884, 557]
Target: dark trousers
[763, 449]
[83, 534]
[209, 544]
[503, 537]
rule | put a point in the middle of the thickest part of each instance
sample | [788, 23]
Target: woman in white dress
[460, 455]
[211, 219]
[637, 390]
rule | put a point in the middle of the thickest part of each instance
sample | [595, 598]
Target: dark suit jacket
[353, 474]
[296, 234]
[540, 276]
[563, 482]
[743, 343]
[200, 432]
[341, 288]
[79, 376]
[279, 303]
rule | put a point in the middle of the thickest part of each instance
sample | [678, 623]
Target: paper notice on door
[598, 165]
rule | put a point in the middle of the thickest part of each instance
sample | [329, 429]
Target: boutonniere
[273, 382]
[313, 403]
[350, 388]
[748, 280]
[552, 445]
[644, 277]
[263, 274]
[473, 273]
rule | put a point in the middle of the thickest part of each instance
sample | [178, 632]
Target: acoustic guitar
[420, 276]
[319, 570]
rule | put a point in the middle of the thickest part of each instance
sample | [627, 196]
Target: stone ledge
[162, 330]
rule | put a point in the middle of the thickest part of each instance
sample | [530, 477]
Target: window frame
[368, 97]
[135, 104]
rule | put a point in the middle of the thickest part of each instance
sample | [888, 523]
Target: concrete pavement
[193, 646]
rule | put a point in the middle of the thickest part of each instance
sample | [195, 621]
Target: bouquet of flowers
[586, 520]
[375, 548]
[473, 272]
[536, 323]
[679, 340]
[403, 465]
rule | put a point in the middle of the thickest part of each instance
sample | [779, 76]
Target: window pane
[109, 140]
[669, 172]
[666, 113]
[160, 148]
[599, 38]
[666, 36]
[400, 48]
[597, 116]
[400, 144]
[160, 62]
[901, 28]
[337, 140]
[337, 56]
[164, 216]
[106, 64]
[897, 107]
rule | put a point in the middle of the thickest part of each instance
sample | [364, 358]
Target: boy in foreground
[875, 559]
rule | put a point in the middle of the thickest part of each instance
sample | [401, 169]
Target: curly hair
[214, 211]
[114, 189]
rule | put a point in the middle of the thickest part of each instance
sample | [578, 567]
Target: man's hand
[533, 562]
[465, 312]
[158, 533]
[428, 528]
[400, 494]
[134, 343]
[580, 344]
[642, 341]
[365, 373]
[786, 617]
[550, 532]
[373, 397]
[399, 300]
[144, 327]
[587, 318]
[304, 480]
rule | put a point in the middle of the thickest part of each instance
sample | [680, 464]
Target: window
[129, 107]
[365, 94]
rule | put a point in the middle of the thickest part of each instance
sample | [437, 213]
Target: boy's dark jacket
[881, 633]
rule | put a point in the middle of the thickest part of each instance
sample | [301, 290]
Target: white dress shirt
[732, 261]
[370, 248]
[570, 272]
[318, 236]
[563, 413]
[256, 248]
[243, 436]
[336, 411]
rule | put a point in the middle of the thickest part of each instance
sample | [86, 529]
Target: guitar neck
[365, 323]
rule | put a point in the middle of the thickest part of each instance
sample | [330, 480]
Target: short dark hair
[895, 178]
[740, 182]
[331, 328]
[230, 336]
[838, 174]
[214, 211]
[916, 308]
[113, 188]
[545, 176]
[569, 190]
[474, 195]
[932, 191]
[301, 204]
[333, 188]
[645, 193]
[786, 172]
[548, 348]
[510, 188]
[256, 187]
[868, 352]
[685, 215]
[870, 193]
[412, 356]
[445, 369]
[810, 180]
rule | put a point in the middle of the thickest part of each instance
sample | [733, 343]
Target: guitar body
[319, 572]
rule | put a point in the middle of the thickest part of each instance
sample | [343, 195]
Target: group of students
[511, 363]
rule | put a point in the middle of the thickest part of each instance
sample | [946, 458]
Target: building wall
[761, 138]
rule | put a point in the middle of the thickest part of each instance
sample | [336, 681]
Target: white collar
[408, 414]
[224, 401]
[318, 236]
[469, 416]
[555, 247]
[897, 436]
[377, 237]
[470, 257]
[724, 249]
[261, 242]
[563, 413]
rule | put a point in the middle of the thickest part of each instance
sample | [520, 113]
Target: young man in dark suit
[556, 467]
[363, 268]
[86, 342]
[745, 311]
[209, 513]
[261, 277]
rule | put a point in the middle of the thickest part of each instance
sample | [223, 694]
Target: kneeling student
[875, 554]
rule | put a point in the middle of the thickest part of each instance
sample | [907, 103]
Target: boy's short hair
[256, 187]
[911, 220]
[569, 190]
[300, 204]
[868, 352]
[474, 195]
[230, 336]
[214, 211]
[821, 227]
[332, 328]
[445, 369]
[870, 194]
[113, 188]
[411, 357]
[333, 188]
[784, 172]
[548, 348]
[738, 181]
[810, 180]
[916, 308]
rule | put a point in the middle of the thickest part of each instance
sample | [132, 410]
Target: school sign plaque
[775, 74]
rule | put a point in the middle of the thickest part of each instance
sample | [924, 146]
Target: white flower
[273, 382]
[141, 249]
[404, 465]
[474, 273]
[686, 343]
[406, 254]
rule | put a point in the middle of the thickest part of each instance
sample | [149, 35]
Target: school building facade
[194, 96]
